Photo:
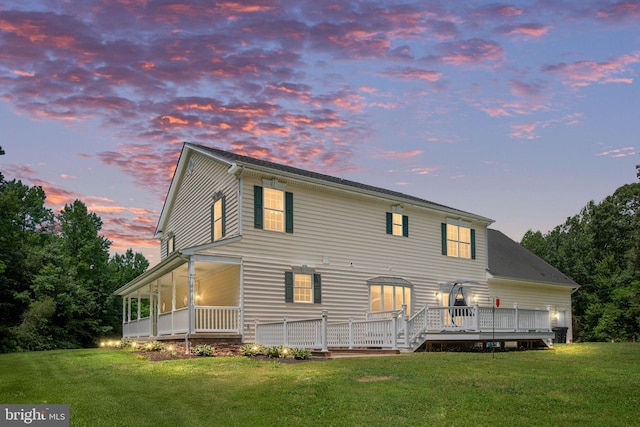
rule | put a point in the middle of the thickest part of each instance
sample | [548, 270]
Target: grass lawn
[575, 384]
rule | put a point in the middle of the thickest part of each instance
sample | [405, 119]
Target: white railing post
[476, 318]
[394, 326]
[426, 318]
[285, 338]
[255, 334]
[405, 318]
[325, 316]
[549, 317]
[350, 333]
[517, 315]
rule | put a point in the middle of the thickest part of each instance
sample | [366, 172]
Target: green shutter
[389, 223]
[473, 244]
[224, 216]
[288, 286]
[444, 238]
[317, 289]
[257, 207]
[288, 212]
[405, 226]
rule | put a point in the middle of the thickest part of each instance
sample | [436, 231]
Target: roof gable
[509, 260]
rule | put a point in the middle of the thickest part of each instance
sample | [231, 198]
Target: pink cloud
[524, 130]
[470, 52]
[414, 73]
[399, 154]
[618, 152]
[620, 11]
[531, 30]
[584, 73]
[426, 170]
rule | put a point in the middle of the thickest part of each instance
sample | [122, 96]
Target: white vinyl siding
[190, 214]
[346, 248]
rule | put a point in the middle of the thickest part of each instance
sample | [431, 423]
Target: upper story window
[397, 224]
[171, 244]
[458, 240]
[218, 217]
[273, 207]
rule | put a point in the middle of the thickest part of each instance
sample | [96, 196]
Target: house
[255, 251]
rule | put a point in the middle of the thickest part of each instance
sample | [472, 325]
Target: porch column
[190, 298]
[173, 299]
[158, 307]
[517, 320]
[151, 316]
[139, 311]
[124, 316]
[129, 308]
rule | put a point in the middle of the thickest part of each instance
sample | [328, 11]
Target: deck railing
[307, 333]
[394, 329]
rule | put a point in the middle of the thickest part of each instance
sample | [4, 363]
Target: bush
[277, 351]
[253, 349]
[153, 346]
[300, 353]
[203, 350]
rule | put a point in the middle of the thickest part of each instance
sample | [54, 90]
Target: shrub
[277, 351]
[203, 350]
[153, 346]
[253, 349]
[300, 353]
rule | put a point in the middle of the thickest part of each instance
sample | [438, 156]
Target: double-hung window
[397, 224]
[458, 240]
[218, 220]
[302, 285]
[273, 207]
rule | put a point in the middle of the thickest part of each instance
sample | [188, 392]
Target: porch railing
[137, 328]
[217, 319]
[207, 319]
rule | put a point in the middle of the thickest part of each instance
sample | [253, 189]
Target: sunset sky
[519, 111]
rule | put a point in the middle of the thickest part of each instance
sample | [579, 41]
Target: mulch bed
[223, 351]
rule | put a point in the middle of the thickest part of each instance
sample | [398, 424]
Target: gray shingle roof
[277, 167]
[507, 259]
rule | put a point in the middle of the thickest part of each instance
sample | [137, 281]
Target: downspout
[237, 172]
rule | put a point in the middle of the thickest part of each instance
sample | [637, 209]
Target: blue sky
[519, 111]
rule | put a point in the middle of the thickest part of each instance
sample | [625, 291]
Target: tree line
[599, 248]
[56, 275]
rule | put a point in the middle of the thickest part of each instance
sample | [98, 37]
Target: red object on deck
[498, 302]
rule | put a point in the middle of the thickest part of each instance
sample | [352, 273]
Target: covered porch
[182, 297]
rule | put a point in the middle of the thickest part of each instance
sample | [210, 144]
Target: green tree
[600, 249]
[24, 227]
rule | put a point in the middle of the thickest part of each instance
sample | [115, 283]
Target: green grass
[575, 384]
